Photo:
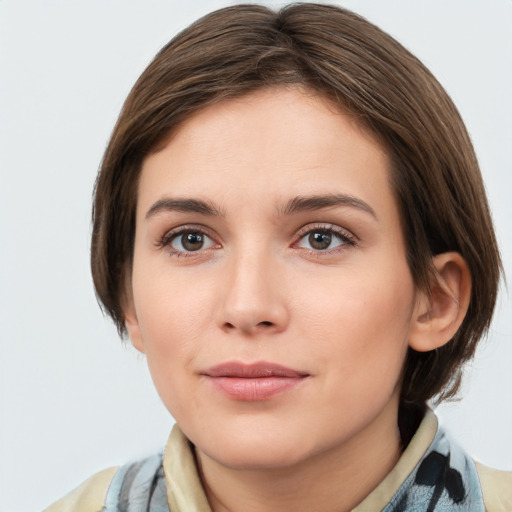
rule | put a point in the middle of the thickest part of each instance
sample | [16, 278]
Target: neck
[334, 480]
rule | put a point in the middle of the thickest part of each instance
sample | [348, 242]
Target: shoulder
[435, 473]
[496, 488]
[88, 497]
[140, 484]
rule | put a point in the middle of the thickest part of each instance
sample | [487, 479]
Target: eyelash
[169, 237]
[345, 237]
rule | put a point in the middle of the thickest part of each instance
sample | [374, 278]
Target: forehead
[272, 144]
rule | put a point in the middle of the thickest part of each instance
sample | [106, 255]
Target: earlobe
[132, 325]
[439, 314]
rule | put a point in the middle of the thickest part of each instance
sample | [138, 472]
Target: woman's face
[271, 291]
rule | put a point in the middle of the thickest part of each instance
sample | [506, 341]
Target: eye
[187, 241]
[324, 238]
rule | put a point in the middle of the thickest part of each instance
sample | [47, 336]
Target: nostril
[249, 327]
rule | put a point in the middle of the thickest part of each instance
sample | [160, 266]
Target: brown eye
[190, 241]
[319, 240]
[324, 239]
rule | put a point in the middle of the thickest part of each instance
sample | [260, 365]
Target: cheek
[170, 324]
[361, 322]
[172, 313]
[171, 306]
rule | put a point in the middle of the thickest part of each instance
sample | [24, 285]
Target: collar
[186, 493]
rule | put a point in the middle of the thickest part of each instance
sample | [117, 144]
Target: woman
[290, 223]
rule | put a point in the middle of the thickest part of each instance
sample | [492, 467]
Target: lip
[253, 382]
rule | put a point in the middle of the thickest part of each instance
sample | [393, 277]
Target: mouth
[253, 382]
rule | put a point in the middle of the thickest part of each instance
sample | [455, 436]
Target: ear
[439, 314]
[132, 322]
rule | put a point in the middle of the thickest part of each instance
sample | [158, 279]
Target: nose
[254, 296]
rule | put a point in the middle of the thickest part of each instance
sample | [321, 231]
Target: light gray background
[75, 400]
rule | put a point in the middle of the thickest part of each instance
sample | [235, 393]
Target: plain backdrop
[73, 398]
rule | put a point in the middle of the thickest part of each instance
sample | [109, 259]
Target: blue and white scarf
[444, 480]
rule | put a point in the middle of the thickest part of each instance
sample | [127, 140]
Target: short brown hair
[342, 56]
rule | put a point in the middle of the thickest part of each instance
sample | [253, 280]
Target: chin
[256, 455]
[258, 447]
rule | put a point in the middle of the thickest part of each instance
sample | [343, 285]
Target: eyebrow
[183, 205]
[295, 205]
[311, 203]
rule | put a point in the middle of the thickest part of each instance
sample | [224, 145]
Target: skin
[259, 290]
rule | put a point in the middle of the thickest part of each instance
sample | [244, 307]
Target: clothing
[432, 475]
